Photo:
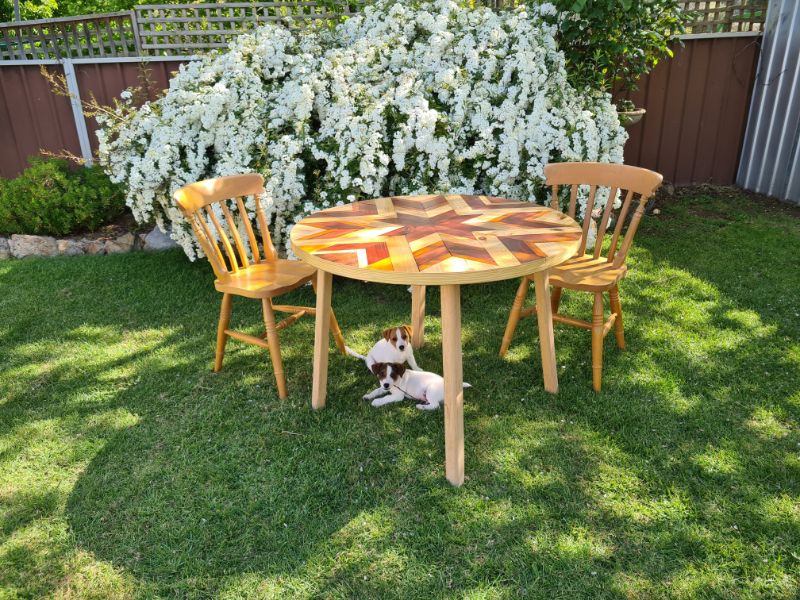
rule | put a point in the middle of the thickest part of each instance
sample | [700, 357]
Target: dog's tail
[352, 352]
[466, 385]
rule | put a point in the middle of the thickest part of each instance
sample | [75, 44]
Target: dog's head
[399, 337]
[388, 374]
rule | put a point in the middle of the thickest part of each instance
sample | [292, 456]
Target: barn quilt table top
[436, 240]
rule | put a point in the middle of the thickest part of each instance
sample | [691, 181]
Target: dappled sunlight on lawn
[128, 468]
[718, 460]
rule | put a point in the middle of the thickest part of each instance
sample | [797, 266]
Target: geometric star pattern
[434, 234]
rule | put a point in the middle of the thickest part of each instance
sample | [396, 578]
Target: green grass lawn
[128, 469]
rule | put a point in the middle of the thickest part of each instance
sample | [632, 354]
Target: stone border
[20, 246]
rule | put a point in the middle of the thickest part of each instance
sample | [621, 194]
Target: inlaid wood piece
[216, 209]
[445, 240]
[435, 240]
[592, 272]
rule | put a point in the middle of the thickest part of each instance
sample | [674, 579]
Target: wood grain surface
[436, 240]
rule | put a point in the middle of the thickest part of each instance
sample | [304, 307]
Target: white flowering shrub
[397, 100]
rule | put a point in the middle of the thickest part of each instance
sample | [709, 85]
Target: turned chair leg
[336, 332]
[555, 299]
[597, 342]
[222, 337]
[274, 347]
[514, 316]
[616, 307]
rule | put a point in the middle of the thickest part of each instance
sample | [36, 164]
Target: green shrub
[52, 198]
[611, 44]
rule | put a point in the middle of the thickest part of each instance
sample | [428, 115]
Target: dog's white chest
[384, 351]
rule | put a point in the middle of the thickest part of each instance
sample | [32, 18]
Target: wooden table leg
[319, 386]
[417, 315]
[453, 384]
[546, 340]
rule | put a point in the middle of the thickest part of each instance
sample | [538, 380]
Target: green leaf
[578, 5]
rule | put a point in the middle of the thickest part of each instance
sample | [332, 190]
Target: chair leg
[222, 337]
[597, 342]
[514, 316]
[555, 299]
[274, 347]
[616, 307]
[337, 333]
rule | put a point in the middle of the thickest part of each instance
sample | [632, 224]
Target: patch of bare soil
[758, 204]
[124, 223]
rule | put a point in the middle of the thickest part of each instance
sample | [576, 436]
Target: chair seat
[587, 273]
[265, 280]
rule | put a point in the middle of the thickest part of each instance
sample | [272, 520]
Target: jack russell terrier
[395, 347]
[398, 383]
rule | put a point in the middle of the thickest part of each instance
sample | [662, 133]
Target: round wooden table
[436, 240]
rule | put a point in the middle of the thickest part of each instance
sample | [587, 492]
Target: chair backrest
[629, 181]
[207, 204]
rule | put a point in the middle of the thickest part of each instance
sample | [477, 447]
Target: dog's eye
[394, 339]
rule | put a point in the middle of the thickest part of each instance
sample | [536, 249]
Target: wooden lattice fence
[110, 34]
[188, 29]
[726, 16]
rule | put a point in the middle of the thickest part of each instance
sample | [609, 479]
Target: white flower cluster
[397, 100]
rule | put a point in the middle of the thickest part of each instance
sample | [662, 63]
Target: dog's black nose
[402, 347]
[386, 386]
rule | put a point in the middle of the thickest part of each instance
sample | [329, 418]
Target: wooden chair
[249, 271]
[593, 272]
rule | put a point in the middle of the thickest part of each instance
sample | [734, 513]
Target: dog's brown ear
[408, 330]
[387, 333]
[399, 369]
[376, 368]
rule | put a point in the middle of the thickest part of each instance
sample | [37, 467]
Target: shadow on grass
[680, 479]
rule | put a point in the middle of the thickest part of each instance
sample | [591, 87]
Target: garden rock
[158, 240]
[5, 248]
[94, 246]
[123, 243]
[70, 247]
[33, 245]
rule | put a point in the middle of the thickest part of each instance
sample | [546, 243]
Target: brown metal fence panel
[696, 111]
[31, 118]
[106, 80]
[692, 133]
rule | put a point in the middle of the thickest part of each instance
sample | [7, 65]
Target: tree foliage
[609, 45]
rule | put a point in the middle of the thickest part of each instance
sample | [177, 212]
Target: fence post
[77, 110]
[137, 43]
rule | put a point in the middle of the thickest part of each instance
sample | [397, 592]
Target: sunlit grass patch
[129, 469]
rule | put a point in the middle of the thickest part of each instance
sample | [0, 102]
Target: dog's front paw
[428, 406]
[366, 397]
[378, 402]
